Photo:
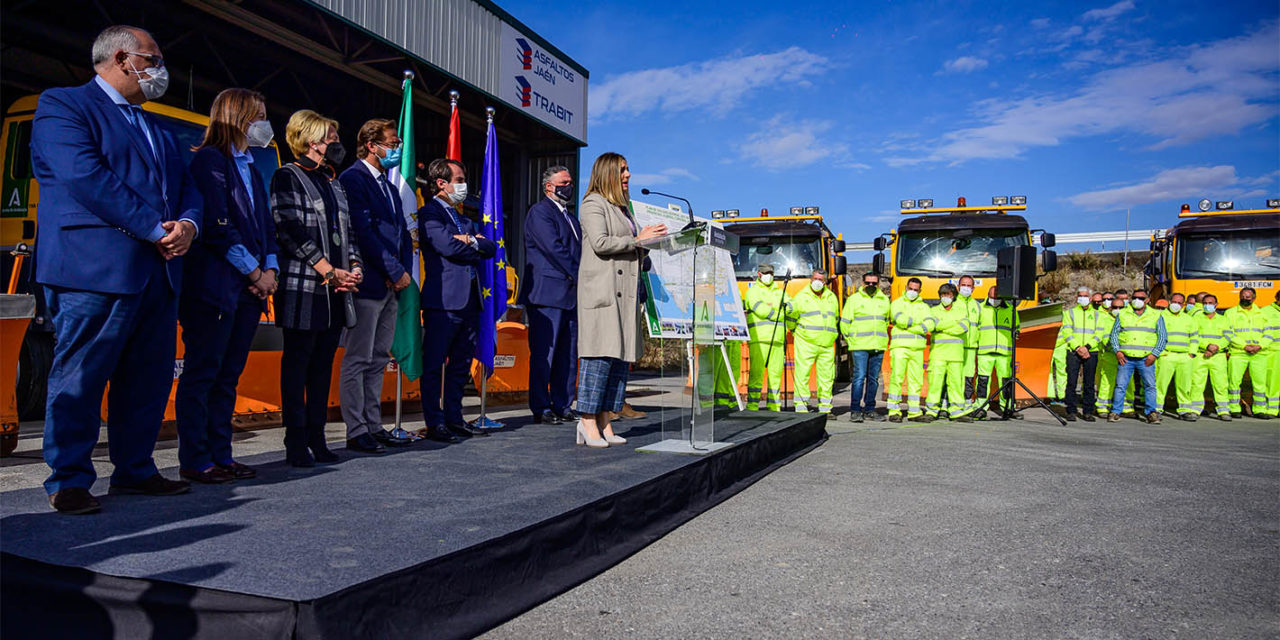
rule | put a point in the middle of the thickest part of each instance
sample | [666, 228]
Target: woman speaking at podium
[609, 296]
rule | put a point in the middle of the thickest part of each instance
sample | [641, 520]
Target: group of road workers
[1204, 343]
[970, 341]
[1106, 339]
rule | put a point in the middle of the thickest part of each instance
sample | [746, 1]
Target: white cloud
[965, 64]
[1198, 92]
[1168, 185]
[784, 143]
[1040, 23]
[710, 84]
[1110, 12]
[666, 176]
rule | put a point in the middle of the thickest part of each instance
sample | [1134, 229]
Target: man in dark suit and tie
[549, 293]
[117, 210]
[451, 300]
[379, 226]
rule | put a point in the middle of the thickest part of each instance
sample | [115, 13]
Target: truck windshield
[1227, 255]
[941, 253]
[800, 254]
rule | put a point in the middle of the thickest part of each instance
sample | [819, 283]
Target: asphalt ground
[1021, 529]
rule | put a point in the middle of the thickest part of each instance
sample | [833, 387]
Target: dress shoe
[240, 471]
[631, 413]
[302, 459]
[547, 416]
[464, 430]
[212, 475]
[440, 434]
[365, 443]
[390, 439]
[591, 442]
[74, 502]
[568, 416]
[156, 485]
[324, 455]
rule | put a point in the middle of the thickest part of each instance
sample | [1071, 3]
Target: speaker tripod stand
[1006, 391]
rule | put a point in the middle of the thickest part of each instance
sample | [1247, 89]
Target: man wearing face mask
[549, 293]
[1081, 335]
[946, 356]
[1138, 338]
[912, 321]
[1095, 301]
[117, 209]
[1107, 361]
[864, 322]
[767, 330]
[1249, 338]
[377, 219]
[451, 249]
[1178, 362]
[997, 329]
[973, 310]
[816, 314]
[1214, 333]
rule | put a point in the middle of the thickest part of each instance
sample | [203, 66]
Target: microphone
[686, 204]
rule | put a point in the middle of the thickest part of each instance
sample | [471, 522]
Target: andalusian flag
[407, 346]
[493, 273]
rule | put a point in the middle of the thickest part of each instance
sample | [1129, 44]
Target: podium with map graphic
[693, 301]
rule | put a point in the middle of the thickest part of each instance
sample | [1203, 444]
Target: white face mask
[1082, 301]
[965, 292]
[816, 285]
[1138, 303]
[995, 302]
[1210, 308]
[459, 192]
[912, 294]
[766, 278]
[1174, 307]
[946, 300]
[259, 133]
[154, 85]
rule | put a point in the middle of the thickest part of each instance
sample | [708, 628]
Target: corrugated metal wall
[459, 36]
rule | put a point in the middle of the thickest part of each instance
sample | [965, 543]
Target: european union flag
[493, 273]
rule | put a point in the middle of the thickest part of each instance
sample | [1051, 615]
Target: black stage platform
[425, 542]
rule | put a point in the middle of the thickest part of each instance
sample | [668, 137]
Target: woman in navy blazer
[227, 279]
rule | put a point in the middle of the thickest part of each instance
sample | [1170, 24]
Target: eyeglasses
[389, 146]
[155, 60]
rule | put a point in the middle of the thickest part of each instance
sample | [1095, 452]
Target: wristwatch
[329, 277]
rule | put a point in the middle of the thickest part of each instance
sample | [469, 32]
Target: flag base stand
[398, 431]
[484, 421]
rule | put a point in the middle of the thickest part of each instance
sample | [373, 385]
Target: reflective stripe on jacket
[864, 322]
[765, 321]
[816, 317]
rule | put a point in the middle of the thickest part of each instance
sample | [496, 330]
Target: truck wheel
[34, 362]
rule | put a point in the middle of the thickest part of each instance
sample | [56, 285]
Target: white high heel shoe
[613, 439]
[594, 444]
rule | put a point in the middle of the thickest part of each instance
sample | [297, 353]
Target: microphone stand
[692, 224]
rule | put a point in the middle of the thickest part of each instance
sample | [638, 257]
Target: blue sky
[1086, 108]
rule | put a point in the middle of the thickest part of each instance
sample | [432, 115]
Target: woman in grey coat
[609, 297]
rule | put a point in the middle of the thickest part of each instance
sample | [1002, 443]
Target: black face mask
[870, 288]
[1246, 303]
[334, 154]
[564, 191]
[1097, 304]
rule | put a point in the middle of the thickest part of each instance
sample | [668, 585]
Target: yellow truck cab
[20, 194]
[794, 244]
[1218, 250]
[941, 244]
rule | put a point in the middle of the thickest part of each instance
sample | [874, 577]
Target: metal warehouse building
[344, 59]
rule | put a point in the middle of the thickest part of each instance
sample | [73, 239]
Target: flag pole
[484, 421]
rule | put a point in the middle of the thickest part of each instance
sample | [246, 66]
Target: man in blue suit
[387, 249]
[117, 210]
[549, 293]
[451, 295]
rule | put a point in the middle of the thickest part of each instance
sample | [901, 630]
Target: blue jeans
[1123, 373]
[866, 379]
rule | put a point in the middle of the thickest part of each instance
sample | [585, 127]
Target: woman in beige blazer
[609, 297]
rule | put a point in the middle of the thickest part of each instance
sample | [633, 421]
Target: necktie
[458, 223]
[395, 205]
[135, 115]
